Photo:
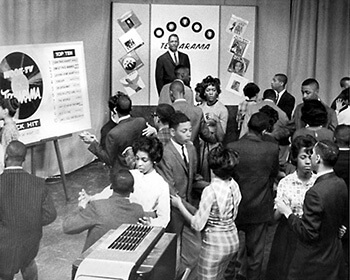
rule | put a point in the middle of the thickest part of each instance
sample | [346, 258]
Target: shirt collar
[123, 118]
[319, 174]
[180, 99]
[13, 167]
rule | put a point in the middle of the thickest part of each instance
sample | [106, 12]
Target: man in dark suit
[285, 100]
[119, 140]
[341, 169]
[179, 168]
[319, 252]
[25, 208]
[166, 63]
[195, 114]
[100, 216]
[255, 175]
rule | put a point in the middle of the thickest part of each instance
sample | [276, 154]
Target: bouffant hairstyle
[210, 81]
[251, 90]
[314, 113]
[152, 146]
[222, 161]
[300, 142]
[272, 114]
[11, 104]
[200, 88]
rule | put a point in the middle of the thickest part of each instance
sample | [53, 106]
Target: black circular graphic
[185, 21]
[171, 26]
[197, 27]
[129, 63]
[209, 34]
[158, 32]
[21, 77]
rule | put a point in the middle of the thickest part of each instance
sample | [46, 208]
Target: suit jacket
[182, 180]
[287, 103]
[26, 207]
[165, 68]
[100, 216]
[164, 96]
[255, 174]
[319, 253]
[118, 139]
[199, 126]
[280, 130]
[107, 127]
[342, 166]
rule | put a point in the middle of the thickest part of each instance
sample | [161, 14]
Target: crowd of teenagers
[288, 166]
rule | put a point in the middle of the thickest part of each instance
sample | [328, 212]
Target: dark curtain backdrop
[319, 45]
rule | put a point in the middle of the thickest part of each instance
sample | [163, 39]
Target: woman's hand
[146, 221]
[175, 201]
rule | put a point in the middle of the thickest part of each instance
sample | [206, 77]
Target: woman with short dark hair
[215, 216]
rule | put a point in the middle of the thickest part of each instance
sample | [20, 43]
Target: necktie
[175, 59]
[183, 154]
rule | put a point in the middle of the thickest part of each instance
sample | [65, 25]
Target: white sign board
[49, 81]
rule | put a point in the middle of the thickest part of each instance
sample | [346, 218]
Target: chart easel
[59, 158]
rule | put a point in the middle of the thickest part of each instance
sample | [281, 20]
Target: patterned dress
[292, 190]
[215, 218]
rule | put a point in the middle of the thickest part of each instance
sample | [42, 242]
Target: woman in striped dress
[215, 216]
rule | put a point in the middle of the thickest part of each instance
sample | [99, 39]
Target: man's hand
[342, 231]
[149, 131]
[339, 104]
[83, 199]
[87, 137]
[282, 207]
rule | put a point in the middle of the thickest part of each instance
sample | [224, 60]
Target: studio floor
[58, 250]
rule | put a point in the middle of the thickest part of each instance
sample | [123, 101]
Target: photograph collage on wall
[238, 64]
[131, 62]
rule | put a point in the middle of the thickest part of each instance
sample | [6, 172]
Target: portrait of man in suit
[166, 63]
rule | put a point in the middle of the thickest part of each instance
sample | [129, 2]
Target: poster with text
[198, 30]
[49, 81]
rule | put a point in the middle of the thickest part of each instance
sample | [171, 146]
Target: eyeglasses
[154, 114]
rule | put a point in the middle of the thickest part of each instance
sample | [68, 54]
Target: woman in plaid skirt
[215, 216]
